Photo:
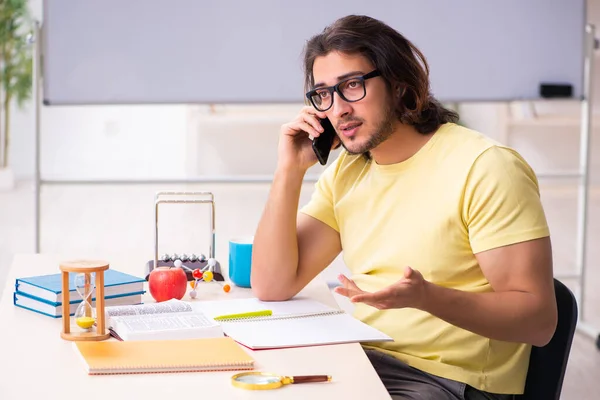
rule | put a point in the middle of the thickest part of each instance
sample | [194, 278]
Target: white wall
[114, 142]
[102, 142]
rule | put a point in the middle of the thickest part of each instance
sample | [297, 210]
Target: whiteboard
[239, 51]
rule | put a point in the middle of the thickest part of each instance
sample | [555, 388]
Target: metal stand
[197, 198]
[584, 169]
[37, 80]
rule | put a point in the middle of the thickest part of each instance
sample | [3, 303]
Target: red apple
[166, 283]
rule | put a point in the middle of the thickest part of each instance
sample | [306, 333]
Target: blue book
[49, 287]
[54, 310]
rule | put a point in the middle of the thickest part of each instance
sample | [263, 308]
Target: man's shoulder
[458, 143]
[458, 139]
[481, 157]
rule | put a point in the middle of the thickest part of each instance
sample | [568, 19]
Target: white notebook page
[267, 333]
[295, 306]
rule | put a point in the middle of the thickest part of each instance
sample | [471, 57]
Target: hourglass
[89, 322]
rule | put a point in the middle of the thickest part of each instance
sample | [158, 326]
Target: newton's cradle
[198, 268]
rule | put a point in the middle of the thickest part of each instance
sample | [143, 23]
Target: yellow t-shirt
[460, 194]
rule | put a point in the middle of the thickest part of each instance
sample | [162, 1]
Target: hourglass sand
[89, 322]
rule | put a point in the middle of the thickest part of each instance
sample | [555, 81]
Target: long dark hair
[400, 63]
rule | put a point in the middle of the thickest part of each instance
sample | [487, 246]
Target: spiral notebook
[212, 354]
[294, 323]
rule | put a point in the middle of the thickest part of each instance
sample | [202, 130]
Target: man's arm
[502, 201]
[508, 233]
[522, 307]
[289, 249]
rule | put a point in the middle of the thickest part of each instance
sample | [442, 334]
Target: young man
[441, 227]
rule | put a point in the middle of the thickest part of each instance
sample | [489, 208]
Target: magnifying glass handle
[310, 378]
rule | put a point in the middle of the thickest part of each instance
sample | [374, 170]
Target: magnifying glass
[265, 380]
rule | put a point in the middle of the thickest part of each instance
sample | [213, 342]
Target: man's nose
[340, 106]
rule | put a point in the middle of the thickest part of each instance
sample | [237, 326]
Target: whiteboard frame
[287, 98]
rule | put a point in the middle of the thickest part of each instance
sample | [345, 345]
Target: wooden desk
[35, 363]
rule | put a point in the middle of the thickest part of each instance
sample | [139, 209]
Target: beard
[384, 130]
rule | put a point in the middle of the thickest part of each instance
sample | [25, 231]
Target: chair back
[547, 365]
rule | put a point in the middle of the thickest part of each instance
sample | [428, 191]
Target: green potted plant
[16, 73]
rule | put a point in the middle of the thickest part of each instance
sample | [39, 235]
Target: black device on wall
[556, 90]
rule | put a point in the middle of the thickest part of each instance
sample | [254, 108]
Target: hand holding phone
[324, 142]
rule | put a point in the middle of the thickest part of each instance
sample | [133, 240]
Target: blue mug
[240, 261]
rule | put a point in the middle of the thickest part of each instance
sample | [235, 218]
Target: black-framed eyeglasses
[350, 90]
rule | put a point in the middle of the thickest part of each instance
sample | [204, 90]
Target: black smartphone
[322, 144]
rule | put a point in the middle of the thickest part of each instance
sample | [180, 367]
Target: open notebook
[294, 323]
[112, 357]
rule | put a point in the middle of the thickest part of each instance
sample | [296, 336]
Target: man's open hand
[407, 292]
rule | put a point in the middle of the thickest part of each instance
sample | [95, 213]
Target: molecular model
[205, 274]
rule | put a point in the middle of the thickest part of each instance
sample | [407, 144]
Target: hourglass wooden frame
[86, 267]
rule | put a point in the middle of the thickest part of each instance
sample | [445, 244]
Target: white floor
[117, 223]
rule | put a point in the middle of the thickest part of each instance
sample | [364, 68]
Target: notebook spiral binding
[160, 370]
[188, 367]
[280, 317]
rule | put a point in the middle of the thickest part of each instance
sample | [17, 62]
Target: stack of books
[43, 294]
